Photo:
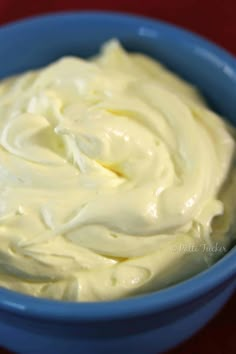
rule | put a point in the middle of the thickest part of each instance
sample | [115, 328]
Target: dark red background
[214, 19]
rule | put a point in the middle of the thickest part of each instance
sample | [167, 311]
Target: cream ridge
[116, 179]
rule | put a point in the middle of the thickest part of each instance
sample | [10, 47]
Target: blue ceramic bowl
[145, 324]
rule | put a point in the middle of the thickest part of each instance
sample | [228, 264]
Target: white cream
[111, 173]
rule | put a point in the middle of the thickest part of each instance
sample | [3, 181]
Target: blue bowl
[146, 324]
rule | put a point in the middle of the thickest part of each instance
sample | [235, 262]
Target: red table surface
[214, 19]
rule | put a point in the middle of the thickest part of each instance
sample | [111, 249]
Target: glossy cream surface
[115, 179]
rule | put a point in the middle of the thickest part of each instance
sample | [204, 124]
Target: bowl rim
[176, 295]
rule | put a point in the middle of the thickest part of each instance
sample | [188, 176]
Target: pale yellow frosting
[111, 173]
